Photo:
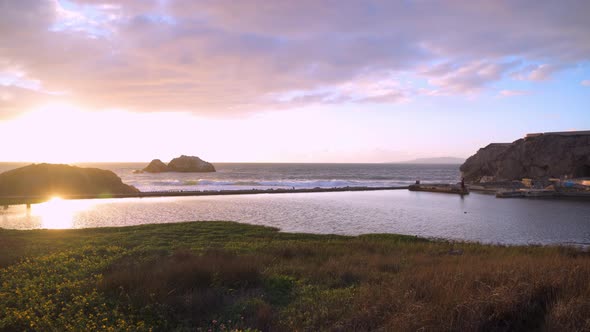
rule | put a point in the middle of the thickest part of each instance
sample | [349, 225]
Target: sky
[286, 81]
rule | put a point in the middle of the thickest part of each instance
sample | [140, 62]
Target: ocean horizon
[237, 176]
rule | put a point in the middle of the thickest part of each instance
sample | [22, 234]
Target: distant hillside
[437, 160]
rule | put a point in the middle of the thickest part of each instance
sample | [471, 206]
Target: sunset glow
[58, 213]
[297, 81]
[55, 213]
[294, 165]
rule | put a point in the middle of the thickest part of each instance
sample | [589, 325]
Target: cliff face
[51, 179]
[540, 157]
[180, 164]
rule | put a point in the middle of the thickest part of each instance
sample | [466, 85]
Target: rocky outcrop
[180, 164]
[57, 179]
[538, 157]
[156, 166]
[190, 164]
[481, 167]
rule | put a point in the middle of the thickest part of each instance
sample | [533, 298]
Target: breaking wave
[287, 176]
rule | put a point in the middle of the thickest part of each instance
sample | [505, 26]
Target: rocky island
[62, 180]
[180, 164]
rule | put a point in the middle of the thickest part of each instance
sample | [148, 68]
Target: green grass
[228, 276]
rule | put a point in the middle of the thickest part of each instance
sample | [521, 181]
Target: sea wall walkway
[28, 200]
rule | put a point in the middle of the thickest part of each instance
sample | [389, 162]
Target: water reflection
[57, 213]
[474, 217]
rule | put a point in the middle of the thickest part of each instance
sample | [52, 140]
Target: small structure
[559, 133]
[440, 188]
[494, 145]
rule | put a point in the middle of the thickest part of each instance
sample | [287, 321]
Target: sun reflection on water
[58, 213]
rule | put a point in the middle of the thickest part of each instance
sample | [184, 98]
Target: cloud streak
[226, 57]
[513, 93]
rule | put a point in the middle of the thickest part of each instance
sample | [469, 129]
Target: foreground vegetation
[226, 276]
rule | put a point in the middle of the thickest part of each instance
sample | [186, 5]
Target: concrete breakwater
[440, 188]
[28, 200]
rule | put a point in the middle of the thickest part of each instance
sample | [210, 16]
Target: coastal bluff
[186, 164]
[59, 179]
[537, 156]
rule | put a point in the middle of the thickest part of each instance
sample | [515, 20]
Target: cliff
[180, 164]
[57, 179]
[542, 156]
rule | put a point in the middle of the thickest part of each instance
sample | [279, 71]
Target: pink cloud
[541, 72]
[224, 57]
[512, 93]
[466, 78]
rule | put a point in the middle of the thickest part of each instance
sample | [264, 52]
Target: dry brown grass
[184, 287]
[484, 289]
[259, 278]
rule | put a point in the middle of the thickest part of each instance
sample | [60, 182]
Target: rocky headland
[545, 156]
[180, 164]
[61, 180]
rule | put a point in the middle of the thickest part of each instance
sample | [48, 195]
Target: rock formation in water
[57, 179]
[190, 164]
[180, 164]
[538, 156]
[156, 166]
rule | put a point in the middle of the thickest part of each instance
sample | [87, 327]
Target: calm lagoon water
[475, 217]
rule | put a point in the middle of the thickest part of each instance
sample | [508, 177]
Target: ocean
[231, 176]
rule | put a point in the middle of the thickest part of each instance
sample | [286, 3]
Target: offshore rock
[180, 164]
[538, 157]
[156, 166]
[59, 179]
[189, 164]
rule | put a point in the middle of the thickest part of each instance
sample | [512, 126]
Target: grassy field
[222, 276]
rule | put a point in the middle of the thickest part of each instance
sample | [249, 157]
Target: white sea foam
[299, 176]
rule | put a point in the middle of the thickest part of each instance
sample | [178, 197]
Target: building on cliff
[498, 145]
[560, 133]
